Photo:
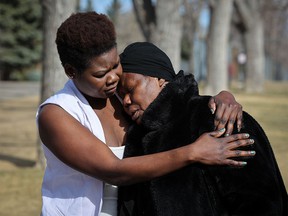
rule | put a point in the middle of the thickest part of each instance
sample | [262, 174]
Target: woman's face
[137, 92]
[100, 79]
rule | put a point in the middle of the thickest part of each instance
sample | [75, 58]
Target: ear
[70, 71]
[162, 82]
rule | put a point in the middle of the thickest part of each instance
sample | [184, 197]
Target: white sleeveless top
[66, 191]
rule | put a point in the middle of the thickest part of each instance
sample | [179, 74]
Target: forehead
[107, 58]
[128, 79]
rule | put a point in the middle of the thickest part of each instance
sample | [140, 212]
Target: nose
[126, 100]
[112, 77]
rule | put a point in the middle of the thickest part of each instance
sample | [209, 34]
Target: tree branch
[140, 19]
[244, 12]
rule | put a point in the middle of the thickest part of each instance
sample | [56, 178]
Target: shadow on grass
[19, 162]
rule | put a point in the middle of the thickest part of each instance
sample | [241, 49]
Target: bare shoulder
[58, 128]
[52, 113]
[71, 142]
[52, 121]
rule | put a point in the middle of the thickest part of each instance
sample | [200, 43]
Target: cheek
[147, 96]
[95, 88]
[151, 95]
[139, 99]
[146, 100]
[93, 84]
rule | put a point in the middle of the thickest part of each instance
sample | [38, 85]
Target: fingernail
[227, 134]
[221, 130]
[246, 135]
[252, 152]
[251, 141]
[243, 163]
[212, 111]
[238, 128]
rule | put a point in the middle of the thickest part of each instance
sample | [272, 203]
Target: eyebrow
[106, 71]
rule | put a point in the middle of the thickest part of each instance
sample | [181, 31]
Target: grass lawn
[20, 190]
[21, 182]
[271, 111]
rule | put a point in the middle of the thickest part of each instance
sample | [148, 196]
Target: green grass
[20, 182]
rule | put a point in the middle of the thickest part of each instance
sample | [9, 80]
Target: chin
[110, 94]
[138, 121]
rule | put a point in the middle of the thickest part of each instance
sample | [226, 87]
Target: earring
[71, 76]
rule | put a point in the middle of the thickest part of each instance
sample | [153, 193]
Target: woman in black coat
[175, 113]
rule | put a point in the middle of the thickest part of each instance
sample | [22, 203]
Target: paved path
[10, 89]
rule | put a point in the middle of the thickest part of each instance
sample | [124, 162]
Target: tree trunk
[191, 25]
[161, 25]
[53, 76]
[217, 65]
[254, 41]
[254, 81]
[54, 13]
[169, 30]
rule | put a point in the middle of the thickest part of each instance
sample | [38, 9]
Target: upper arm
[73, 143]
[77, 147]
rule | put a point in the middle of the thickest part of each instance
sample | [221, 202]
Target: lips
[111, 90]
[135, 115]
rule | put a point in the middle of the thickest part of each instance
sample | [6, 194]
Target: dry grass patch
[21, 182]
[20, 192]
[270, 109]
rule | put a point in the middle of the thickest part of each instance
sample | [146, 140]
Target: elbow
[119, 180]
[115, 173]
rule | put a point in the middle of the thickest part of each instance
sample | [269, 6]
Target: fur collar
[169, 102]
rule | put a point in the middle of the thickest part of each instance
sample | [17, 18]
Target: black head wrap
[147, 59]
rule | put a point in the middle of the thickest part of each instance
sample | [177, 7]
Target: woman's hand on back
[227, 111]
[211, 149]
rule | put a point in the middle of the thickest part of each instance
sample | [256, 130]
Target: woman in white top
[83, 127]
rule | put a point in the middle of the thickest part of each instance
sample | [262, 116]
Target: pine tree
[21, 36]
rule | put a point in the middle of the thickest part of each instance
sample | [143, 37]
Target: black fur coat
[177, 117]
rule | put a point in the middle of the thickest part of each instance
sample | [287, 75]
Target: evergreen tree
[21, 36]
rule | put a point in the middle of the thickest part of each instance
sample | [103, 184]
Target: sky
[100, 6]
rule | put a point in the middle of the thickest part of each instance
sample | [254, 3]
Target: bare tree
[250, 12]
[146, 17]
[161, 24]
[114, 11]
[191, 26]
[169, 29]
[275, 14]
[54, 13]
[53, 76]
[217, 57]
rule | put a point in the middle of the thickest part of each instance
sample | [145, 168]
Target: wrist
[191, 156]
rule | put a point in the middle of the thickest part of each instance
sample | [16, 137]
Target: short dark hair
[83, 36]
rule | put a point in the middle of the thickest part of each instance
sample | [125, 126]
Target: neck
[96, 103]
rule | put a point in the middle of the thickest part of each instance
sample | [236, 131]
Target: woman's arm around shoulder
[77, 147]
